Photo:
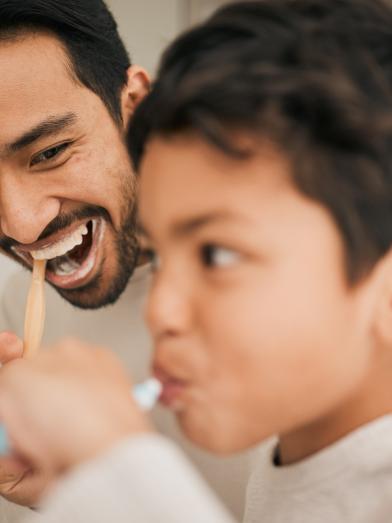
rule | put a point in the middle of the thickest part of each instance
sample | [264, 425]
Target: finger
[11, 469]
[29, 489]
[11, 347]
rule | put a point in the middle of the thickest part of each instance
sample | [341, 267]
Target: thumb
[11, 347]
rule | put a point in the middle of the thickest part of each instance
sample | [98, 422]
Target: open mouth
[172, 389]
[70, 260]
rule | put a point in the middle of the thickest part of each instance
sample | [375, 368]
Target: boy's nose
[24, 213]
[168, 309]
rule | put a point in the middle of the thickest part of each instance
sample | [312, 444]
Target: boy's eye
[214, 256]
[49, 154]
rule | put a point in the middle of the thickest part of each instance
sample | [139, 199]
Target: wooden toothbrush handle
[35, 310]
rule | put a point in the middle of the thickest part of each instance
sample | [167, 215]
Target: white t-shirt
[121, 328]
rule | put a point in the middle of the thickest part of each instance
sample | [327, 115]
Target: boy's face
[65, 175]
[256, 331]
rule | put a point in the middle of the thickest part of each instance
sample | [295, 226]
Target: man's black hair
[313, 76]
[89, 35]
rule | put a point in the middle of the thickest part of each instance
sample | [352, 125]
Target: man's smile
[71, 253]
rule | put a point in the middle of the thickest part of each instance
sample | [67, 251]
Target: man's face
[66, 184]
[256, 330]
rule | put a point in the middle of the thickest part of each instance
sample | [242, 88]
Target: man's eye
[214, 256]
[49, 154]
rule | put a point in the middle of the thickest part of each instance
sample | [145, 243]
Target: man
[67, 194]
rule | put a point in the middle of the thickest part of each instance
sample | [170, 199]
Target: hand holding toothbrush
[67, 405]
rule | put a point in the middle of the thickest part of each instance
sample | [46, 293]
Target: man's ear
[136, 88]
[383, 312]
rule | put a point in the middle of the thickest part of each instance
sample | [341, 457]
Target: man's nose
[169, 305]
[25, 211]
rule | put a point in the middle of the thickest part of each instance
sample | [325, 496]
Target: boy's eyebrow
[185, 227]
[49, 126]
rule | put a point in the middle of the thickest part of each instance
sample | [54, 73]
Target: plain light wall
[7, 267]
[197, 10]
[147, 26]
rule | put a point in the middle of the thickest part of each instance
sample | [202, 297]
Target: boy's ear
[383, 319]
[137, 86]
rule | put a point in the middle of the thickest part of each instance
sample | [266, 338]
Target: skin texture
[41, 188]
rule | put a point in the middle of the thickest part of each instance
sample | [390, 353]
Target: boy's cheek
[281, 381]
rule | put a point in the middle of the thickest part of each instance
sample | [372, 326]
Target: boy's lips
[173, 389]
[72, 253]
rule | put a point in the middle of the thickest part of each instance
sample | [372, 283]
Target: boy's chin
[218, 440]
[222, 446]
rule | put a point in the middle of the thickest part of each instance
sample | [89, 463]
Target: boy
[265, 203]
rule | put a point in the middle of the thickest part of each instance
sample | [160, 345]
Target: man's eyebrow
[49, 126]
[187, 226]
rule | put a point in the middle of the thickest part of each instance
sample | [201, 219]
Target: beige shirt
[121, 328]
[348, 482]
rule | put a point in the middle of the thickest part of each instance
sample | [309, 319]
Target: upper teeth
[61, 247]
